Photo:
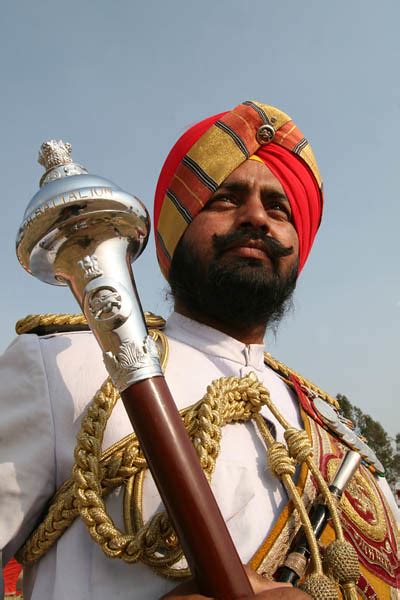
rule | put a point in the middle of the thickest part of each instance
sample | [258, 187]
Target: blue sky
[122, 80]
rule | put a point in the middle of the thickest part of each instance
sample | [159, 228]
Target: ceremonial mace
[83, 231]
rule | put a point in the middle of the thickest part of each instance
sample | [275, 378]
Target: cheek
[295, 242]
[197, 239]
[296, 248]
[200, 232]
[289, 238]
[287, 235]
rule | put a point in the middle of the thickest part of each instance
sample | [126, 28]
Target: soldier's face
[238, 259]
[250, 203]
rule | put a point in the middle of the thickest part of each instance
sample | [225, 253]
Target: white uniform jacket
[46, 384]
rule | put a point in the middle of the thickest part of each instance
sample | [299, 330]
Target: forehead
[253, 174]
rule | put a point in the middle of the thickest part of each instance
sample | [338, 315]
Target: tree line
[376, 437]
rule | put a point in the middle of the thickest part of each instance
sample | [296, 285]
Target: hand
[264, 590]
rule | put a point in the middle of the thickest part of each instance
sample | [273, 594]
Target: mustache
[271, 246]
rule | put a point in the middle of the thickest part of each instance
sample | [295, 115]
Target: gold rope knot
[298, 444]
[320, 587]
[280, 461]
[252, 392]
[341, 561]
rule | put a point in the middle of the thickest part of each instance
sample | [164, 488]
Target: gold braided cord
[284, 467]
[95, 474]
[340, 562]
[63, 509]
[133, 520]
[119, 462]
[88, 492]
[225, 401]
[300, 450]
[163, 347]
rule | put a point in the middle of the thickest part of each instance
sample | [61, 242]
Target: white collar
[216, 343]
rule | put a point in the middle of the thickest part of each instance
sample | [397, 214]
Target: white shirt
[46, 384]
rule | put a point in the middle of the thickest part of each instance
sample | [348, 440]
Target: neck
[249, 334]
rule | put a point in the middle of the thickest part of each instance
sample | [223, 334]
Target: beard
[236, 291]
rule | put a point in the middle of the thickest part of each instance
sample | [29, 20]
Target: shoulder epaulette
[46, 324]
[286, 372]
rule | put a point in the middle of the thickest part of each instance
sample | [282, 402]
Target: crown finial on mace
[55, 157]
[54, 153]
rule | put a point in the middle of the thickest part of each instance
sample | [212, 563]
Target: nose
[252, 213]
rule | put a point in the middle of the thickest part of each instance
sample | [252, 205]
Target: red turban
[208, 152]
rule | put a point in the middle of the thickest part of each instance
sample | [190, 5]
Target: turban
[209, 151]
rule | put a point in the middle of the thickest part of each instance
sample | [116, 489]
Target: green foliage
[377, 438]
[345, 406]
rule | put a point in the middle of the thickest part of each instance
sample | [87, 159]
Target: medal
[338, 426]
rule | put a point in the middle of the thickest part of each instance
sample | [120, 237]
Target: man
[237, 208]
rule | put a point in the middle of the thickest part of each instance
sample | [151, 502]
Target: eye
[221, 202]
[279, 209]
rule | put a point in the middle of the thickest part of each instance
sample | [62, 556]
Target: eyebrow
[245, 187]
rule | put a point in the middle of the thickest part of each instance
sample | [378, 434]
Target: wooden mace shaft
[185, 491]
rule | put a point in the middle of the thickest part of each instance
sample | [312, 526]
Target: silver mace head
[84, 231]
[74, 209]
